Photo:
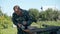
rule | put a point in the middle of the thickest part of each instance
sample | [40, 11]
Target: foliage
[5, 20]
[49, 14]
[49, 17]
[34, 13]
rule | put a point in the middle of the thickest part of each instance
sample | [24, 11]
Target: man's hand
[28, 31]
[19, 25]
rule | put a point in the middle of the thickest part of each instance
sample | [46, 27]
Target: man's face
[16, 9]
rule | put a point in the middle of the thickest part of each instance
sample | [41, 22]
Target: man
[21, 19]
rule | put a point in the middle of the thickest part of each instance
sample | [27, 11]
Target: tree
[34, 13]
[1, 12]
[49, 14]
[5, 20]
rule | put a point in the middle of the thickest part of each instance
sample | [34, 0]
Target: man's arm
[15, 22]
[29, 18]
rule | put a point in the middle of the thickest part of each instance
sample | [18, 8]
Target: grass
[51, 23]
[38, 24]
[8, 31]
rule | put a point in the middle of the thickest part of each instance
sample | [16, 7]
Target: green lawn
[38, 24]
[51, 23]
[8, 31]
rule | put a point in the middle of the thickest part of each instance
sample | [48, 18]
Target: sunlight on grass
[9, 31]
[51, 23]
[38, 25]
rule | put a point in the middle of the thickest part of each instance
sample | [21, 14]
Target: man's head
[16, 8]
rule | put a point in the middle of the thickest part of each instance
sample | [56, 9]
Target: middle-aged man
[21, 19]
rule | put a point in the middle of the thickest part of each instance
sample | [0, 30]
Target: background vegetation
[49, 17]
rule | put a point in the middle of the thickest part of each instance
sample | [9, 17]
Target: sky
[7, 5]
